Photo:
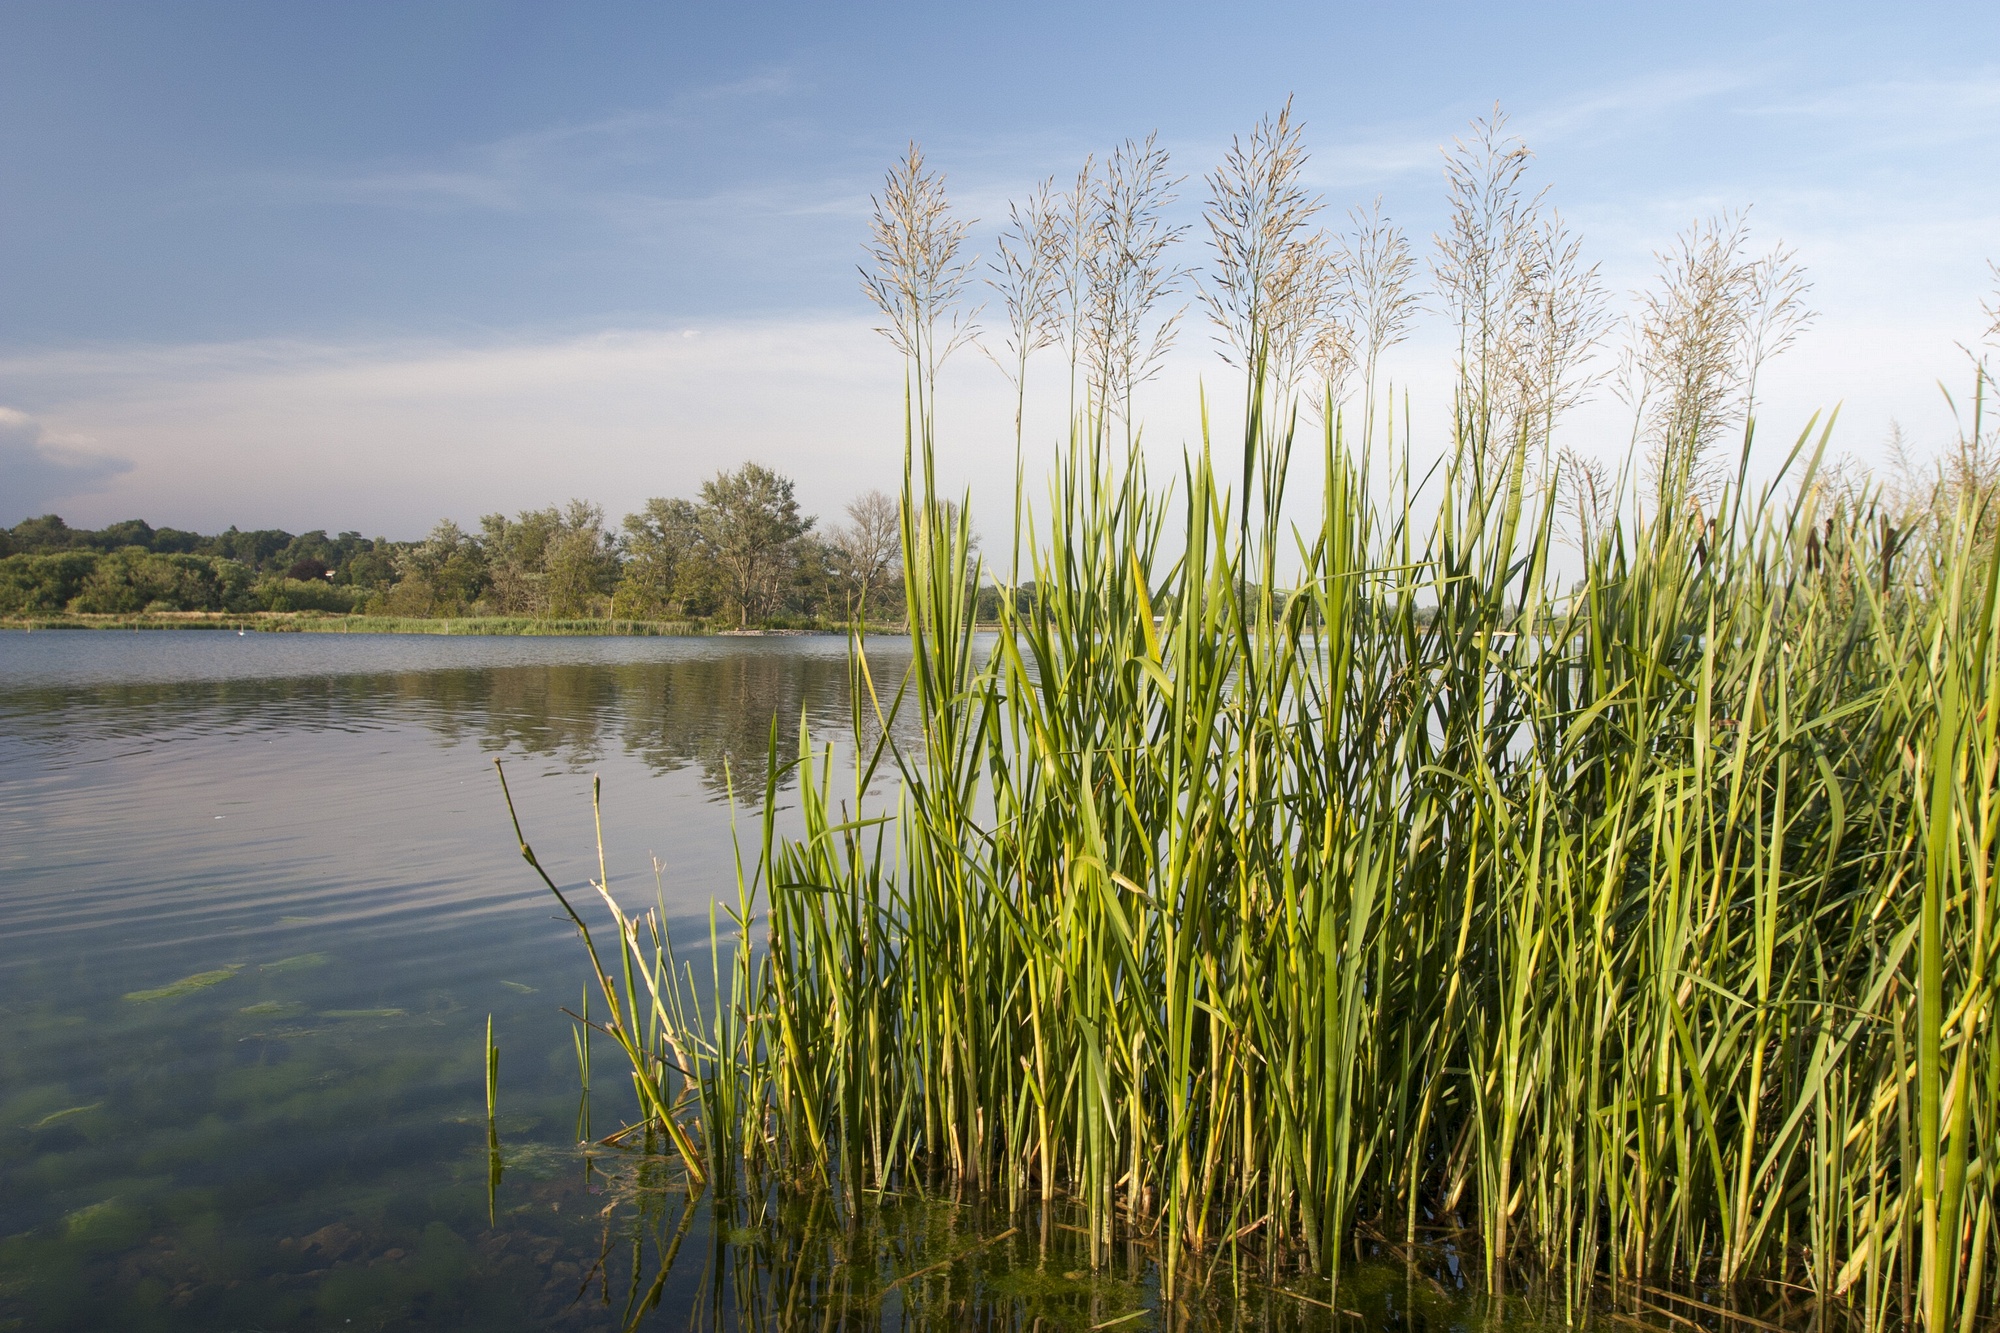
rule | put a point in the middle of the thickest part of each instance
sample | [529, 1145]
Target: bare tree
[868, 548]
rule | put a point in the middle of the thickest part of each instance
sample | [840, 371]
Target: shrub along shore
[740, 554]
[311, 622]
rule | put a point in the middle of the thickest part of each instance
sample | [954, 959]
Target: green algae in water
[298, 962]
[363, 1013]
[110, 1225]
[272, 1009]
[539, 1161]
[57, 1117]
[520, 986]
[186, 985]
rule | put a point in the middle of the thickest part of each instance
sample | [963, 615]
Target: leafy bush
[134, 579]
[44, 584]
[306, 595]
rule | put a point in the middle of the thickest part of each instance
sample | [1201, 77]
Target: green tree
[580, 564]
[663, 552]
[441, 575]
[135, 579]
[47, 533]
[812, 587]
[43, 583]
[549, 562]
[372, 568]
[517, 552]
[749, 523]
[132, 532]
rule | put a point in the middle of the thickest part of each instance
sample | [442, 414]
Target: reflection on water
[932, 1263]
[257, 898]
[706, 703]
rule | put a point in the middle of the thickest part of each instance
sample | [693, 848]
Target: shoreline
[311, 622]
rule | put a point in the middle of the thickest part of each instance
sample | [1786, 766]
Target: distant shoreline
[307, 622]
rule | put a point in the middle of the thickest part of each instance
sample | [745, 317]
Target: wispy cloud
[585, 166]
[1597, 114]
[302, 434]
[1411, 146]
[1953, 104]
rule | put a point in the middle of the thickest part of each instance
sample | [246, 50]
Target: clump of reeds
[1635, 917]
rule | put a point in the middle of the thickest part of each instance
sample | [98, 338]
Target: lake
[258, 900]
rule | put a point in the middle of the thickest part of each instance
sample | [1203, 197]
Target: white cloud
[392, 436]
[38, 470]
[389, 437]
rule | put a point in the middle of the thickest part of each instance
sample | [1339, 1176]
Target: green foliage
[581, 564]
[662, 572]
[559, 563]
[42, 583]
[743, 552]
[121, 582]
[440, 576]
[748, 525]
[307, 595]
[134, 579]
[47, 533]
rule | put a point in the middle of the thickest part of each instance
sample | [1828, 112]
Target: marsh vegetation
[1588, 863]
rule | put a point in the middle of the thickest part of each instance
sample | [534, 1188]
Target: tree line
[741, 552]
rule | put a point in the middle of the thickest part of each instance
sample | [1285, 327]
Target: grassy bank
[309, 622]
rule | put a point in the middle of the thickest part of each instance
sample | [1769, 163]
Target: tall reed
[1636, 917]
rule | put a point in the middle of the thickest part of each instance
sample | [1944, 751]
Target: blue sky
[365, 265]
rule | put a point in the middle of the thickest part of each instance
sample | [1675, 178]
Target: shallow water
[258, 898]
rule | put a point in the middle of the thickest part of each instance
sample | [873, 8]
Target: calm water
[258, 898]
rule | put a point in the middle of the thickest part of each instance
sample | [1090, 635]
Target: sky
[369, 265]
